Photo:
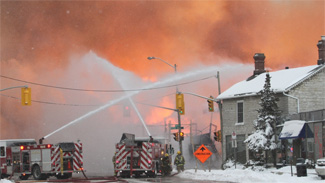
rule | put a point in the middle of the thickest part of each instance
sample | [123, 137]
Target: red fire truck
[139, 156]
[23, 157]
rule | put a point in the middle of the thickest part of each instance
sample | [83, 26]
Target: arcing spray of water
[115, 72]
[179, 77]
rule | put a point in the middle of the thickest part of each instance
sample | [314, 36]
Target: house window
[240, 112]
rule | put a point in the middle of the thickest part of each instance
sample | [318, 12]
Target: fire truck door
[2, 157]
[15, 162]
[46, 159]
[26, 161]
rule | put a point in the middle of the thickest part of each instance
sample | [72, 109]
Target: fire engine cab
[23, 157]
[139, 156]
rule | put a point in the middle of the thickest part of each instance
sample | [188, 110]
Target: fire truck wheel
[36, 171]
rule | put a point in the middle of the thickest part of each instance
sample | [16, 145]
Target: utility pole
[220, 114]
[179, 131]
[169, 133]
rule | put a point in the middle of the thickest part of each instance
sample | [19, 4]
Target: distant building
[300, 90]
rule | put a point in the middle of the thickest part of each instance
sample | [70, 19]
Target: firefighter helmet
[178, 152]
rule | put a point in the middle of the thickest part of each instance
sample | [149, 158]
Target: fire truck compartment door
[35, 155]
[46, 159]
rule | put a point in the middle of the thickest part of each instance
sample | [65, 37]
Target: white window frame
[237, 113]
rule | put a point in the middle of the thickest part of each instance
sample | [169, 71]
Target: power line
[86, 90]
[54, 103]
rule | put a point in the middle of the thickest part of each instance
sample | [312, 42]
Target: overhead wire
[76, 89]
[53, 103]
[87, 90]
[88, 105]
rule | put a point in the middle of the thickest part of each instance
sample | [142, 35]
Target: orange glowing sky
[39, 38]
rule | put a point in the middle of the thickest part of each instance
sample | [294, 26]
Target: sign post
[234, 144]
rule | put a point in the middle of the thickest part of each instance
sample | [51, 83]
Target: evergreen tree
[263, 139]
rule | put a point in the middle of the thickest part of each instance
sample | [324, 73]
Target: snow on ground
[241, 175]
[5, 181]
[273, 175]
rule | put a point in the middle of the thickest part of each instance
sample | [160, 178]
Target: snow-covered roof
[281, 81]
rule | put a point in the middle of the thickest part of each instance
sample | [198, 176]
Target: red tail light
[48, 145]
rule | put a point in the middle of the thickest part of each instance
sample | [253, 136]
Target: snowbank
[282, 175]
[5, 181]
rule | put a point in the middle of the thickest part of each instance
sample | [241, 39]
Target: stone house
[299, 90]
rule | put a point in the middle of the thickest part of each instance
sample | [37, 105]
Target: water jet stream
[113, 70]
[133, 93]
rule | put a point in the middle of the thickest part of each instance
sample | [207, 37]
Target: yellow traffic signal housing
[211, 105]
[26, 96]
[181, 135]
[217, 136]
[176, 138]
[180, 103]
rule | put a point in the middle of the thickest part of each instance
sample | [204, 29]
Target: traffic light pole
[179, 131]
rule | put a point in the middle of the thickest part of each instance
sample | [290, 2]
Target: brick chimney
[259, 63]
[321, 51]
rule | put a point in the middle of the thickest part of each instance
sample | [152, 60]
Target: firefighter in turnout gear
[165, 165]
[114, 163]
[179, 162]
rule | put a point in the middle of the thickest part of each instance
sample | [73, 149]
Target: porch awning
[295, 129]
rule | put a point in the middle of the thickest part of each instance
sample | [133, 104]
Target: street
[171, 179]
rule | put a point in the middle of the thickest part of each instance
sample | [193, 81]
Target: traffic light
[126, 111]
[210, 104]
[26, 96]
[180, 103]
[217, 136]
[176, 136]
[181, 135]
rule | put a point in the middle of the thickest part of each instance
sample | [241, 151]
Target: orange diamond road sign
[202, 153]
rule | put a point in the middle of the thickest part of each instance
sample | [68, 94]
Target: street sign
[177, 127]
[202, 153]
